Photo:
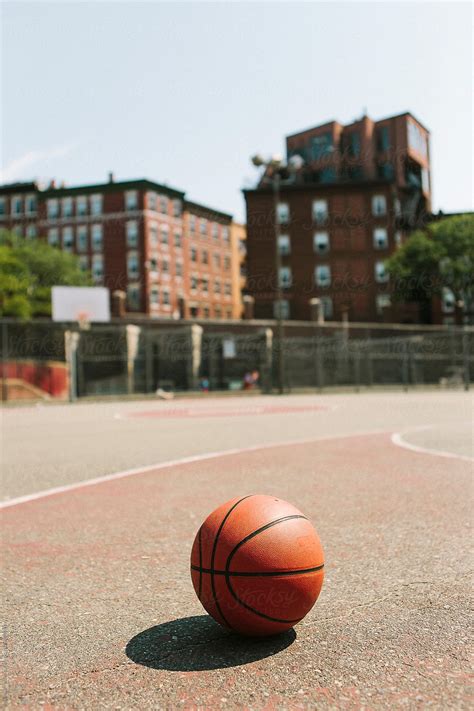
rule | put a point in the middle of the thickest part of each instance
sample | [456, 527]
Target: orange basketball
[257, 565]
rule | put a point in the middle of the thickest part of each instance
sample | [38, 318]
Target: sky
[185, 93]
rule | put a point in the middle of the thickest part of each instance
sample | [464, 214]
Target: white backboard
[80, 303]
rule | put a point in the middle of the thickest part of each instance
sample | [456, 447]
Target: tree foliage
[28, 270]
[440, 257]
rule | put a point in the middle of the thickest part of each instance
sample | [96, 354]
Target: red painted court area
[102, 613]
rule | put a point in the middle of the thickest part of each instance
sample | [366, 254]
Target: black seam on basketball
[265, 574]
[200, 563]
[213, 555]
[232, 553]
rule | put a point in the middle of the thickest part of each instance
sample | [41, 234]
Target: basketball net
[83, 320]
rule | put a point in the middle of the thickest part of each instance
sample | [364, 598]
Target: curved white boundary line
[174, 463]
[397, 439]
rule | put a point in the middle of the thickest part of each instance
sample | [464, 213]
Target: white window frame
[177, 207]
[17, 200]
[164, 204]
[68, 233]
[31, 232]
[81, 206]
[177, 240]
[53, 237]
[322, 281]
[133, 287]
[67, 207]
[96, 203]
[28, 198]
[132, 234]
[379, 205]
[284, 245]
[152, 198]
[165, 235]
[225, 234]
[97, 245]
[203, 227]
[97, 259]
[135, 272]
[321, 242]
[52, 208]
[283, 213]
[154, 295]
[82, 245]
[285, 277]
[131, 200]
[84, 262]
[380, 273]
[380, 238]
[320, 210]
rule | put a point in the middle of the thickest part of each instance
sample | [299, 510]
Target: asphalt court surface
[100, 608]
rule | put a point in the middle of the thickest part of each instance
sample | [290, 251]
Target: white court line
[397, 439]
[174, 463]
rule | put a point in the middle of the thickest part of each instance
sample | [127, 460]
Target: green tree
[440, 257]
[28, 270]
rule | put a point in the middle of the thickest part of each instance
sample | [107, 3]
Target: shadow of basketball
[198, 643]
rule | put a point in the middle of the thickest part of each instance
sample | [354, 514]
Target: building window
[192, 223]
[398, 239]
[284, 246]
[67, 208]
[227, 263]
[31, 204]
[194, 283]
[84, 263]
[417, 139]
[97, 267]
[3, 206]
[217, 260]
[379, 205]
[153, 264]
[17, 205]
[322, 275]
[425, 181]
[320, 211]
[321, 242]
[205, 312]
[53, 237]
[68, 239]
[81, 238]
[132, 233]
[205, 256]
[52, 207]
[81, 205]
[203, 227]
[217, 286]
[228, 288]
[31, 231]
[382, 301]
[383, 139]
[177, 208]
[97, 241]
[166, 297]
[321, 145]
[284, 277]
[447, 301]
[131, 200]
[164, 204]
[354, 144]
[381, 274]
[151, 201]
[165, 266]
[283, 213]
[326, 302]
[165, 235]
[154, 295]
[217, 312]
[179, 269]
[397, 207]
[177, 240]
[153, 236]
[205, 285]
[215, 231]
[132, 265]
[133, 297]
[193, 254]
[226, 235]
[96, 204]
[281, 309]
[380, 238]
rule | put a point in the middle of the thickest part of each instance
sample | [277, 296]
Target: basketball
[257, 565]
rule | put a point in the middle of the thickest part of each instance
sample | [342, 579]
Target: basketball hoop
[83, 320]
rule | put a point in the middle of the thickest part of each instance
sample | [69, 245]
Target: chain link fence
[127, 358]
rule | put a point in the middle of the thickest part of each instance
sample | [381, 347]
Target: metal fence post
[465, 357]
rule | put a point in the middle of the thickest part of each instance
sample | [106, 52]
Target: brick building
[361, 189]
[170, 256]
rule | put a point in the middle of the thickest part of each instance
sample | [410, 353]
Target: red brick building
[361, 189]
[170, 256]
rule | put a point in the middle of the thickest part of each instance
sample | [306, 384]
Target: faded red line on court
[226, 411]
